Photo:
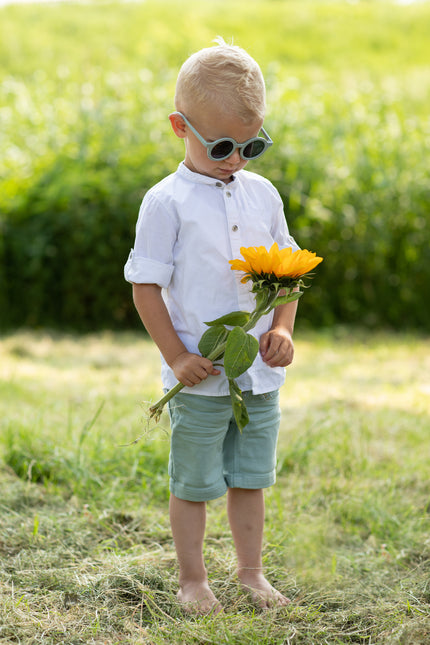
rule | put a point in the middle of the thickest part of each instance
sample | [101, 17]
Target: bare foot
[197, 598]
[262, 592]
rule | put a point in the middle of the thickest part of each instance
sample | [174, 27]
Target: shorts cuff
[196, 494]
[253, 482]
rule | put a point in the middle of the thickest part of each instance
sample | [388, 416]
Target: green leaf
[240, 352]
[234, 318]
[260, 286]
[212, 337]
[292, 297]
[238, 404]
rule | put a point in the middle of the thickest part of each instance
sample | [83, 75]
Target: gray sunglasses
[223, 148]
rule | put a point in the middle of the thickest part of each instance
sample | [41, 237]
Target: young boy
[190, 225]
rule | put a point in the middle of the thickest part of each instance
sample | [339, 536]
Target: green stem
[156, 409]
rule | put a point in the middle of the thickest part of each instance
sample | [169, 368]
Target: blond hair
[225, 76]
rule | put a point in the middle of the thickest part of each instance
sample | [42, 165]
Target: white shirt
[188, 229]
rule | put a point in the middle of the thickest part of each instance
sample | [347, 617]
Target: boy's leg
[199, 425]
[188, 521]
[246, 516]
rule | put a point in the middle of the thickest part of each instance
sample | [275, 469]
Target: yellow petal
[278, 262]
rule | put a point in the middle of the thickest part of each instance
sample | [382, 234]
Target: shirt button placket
[233, 225]
[235, 241]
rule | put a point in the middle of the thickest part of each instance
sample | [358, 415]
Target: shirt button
[218, 184]
[234, 228]
[228, 194]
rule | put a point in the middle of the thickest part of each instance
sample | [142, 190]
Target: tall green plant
[84, 133]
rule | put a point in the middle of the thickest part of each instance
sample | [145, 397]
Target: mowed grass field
[86, 554]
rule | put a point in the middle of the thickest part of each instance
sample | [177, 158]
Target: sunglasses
[223, 148]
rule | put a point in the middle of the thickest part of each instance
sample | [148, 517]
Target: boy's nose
[235, 156]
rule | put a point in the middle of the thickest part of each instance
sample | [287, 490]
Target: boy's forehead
[216, 123]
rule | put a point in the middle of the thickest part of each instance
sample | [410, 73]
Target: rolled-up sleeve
[145, 271]
[151, 259]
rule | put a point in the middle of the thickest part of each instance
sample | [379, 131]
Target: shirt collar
[195, 177]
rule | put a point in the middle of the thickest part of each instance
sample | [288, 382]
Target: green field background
[85, 90]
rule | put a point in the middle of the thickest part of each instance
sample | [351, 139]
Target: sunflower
[280, 266]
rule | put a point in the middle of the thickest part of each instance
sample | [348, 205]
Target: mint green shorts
[208, 454]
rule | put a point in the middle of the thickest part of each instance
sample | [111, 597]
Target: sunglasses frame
[209, 145]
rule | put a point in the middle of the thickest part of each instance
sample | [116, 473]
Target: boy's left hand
[277, 348]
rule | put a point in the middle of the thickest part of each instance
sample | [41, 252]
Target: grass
[86, 554]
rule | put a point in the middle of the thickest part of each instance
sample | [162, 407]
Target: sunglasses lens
[254, 149]
[222, 149]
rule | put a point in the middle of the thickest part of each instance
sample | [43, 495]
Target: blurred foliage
[85, 91]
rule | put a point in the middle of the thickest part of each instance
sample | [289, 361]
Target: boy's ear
[178, 125]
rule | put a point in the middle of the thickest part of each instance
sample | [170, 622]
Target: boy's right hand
[191, 369]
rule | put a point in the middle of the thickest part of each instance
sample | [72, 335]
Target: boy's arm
[276, 345]
[190, 369]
